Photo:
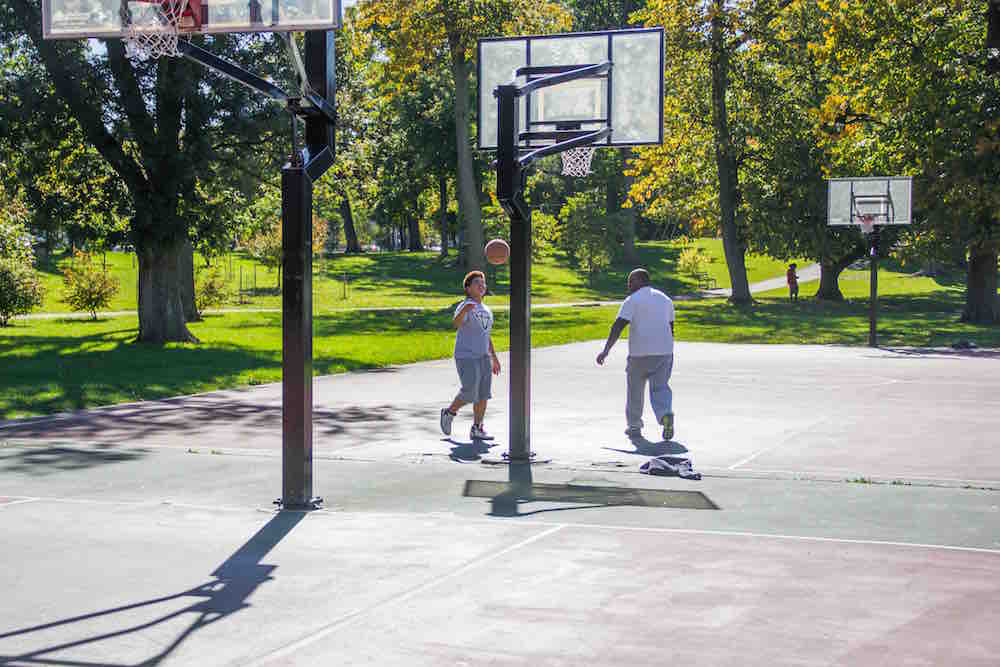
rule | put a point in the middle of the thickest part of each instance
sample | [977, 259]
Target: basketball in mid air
[497, 251]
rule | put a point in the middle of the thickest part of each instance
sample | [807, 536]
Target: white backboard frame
[888, 198]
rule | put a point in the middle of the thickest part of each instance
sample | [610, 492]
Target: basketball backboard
[885, 200]
[629, 99]
[76, 19]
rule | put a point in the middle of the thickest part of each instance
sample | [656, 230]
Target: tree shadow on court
[228, 592]
[61, 458]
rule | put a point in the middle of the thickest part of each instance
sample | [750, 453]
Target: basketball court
[847, 512]
[856, 521]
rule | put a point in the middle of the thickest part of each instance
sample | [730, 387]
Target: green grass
[759, 267]
[57, 365]
[400, 279]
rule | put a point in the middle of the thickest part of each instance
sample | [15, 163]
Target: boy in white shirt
[650, 315]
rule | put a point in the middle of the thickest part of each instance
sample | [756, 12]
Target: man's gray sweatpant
[655, 370]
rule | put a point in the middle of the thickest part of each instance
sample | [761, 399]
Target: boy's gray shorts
[476, 376]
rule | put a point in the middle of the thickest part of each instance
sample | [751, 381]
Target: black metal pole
[296, 336]
[873, 298]
[510, 192]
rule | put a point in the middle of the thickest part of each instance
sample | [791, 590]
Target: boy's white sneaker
[479, 433]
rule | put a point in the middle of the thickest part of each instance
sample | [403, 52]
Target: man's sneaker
[633, 432]
[668, 426]
[446, 418]
[479, 433]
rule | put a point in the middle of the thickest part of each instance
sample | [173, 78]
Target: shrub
[20, 289]
[211, 289]
[88, 287]
[692, 261]
[589, 234]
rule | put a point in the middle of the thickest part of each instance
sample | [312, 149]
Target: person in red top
[793, 283]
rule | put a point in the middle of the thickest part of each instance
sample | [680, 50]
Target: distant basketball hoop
[576, 161]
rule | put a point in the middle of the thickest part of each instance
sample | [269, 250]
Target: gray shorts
[476, 376]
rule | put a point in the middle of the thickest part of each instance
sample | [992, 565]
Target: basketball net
[867, 223]
[576, 161]
[155, 31]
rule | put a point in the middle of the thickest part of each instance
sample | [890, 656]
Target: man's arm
[616, 331]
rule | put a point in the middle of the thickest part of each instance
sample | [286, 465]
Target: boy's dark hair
[791, 266]
[472, 275]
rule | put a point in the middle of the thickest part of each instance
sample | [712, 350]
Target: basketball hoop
[576, 161]
[867, 222]
[153, 32]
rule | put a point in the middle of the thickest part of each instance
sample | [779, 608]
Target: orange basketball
[497, 251]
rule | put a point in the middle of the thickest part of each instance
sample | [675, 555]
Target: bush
[20, 289]
[693, 261]
[88, 287]
[211, 289]
[589, 234]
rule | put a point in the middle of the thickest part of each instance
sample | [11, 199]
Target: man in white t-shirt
[649, 314]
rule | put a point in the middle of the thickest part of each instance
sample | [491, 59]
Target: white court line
[798, 431]
[332, 511]
[344, 619]
[18, 502]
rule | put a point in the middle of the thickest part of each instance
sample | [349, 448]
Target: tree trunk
[471, 212]
[161, 303]
[829, 274]
[186, 269]
[627, 215]
[725, 159]
[416, 243]
[350, 236]
[443, 206]
[981, 303]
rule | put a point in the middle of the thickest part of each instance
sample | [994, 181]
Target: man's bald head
[638, 279]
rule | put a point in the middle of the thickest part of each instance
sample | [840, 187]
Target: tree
[789, 151]
[88, 287]
[709, 57]
[416, 36]
[919, 93]
[162, 126]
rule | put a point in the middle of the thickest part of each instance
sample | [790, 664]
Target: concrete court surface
[858, 522]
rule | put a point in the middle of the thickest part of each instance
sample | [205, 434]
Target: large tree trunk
[725, 159]
[829, 274]
[443, 207]
[471, 212]
[350, 235]
[186, 263]
[981, 303]
[628, 216]
[161, 303]
[416, 243]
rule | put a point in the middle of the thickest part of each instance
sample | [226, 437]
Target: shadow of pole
[520, 480]
[235, 581]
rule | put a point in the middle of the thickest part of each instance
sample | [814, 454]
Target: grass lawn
[57, 365]
[376, 280]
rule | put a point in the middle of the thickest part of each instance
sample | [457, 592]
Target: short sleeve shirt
[473, 338]
[649, 313]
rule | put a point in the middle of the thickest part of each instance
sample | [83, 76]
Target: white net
[153, 29]
[576, 161]
[867, 223]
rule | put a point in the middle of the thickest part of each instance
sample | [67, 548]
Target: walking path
[806, 274]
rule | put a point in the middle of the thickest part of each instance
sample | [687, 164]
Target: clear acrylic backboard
[629, 99]
[884, 200]
[76, 19]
